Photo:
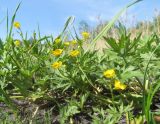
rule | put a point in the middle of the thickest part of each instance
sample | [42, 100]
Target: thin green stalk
[140, 83]
[147, 103]
[125, 60]
[112, 95]
[13, 18]
[87, 78]
[46, 37]
[110, 24]
[146, 69]
[127, 118]
[103, 99]
[16, 62]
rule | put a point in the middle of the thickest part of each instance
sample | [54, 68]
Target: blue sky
[52, 14]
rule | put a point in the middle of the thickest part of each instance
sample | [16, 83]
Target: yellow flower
[17, 25]
[57, 52]
[119, 86]
[66, 43]
[57, 40]
[109, 73]
[56, 65]
[74, 42]
[85, 35]
[17, 43]
[74, 53]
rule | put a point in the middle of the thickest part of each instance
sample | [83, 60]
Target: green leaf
[1, 45]
[70, 20]
[13, 18]
[112, 43]
[130, 74]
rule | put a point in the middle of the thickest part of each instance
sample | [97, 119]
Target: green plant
[76, 82]
[111, 115]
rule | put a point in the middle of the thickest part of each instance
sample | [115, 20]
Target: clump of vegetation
[60, 80]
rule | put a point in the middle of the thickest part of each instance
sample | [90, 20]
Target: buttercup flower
[109, 73]
[119, 86]
[17, 43]
[66, 43]
[57, 40]
[85, 35]
[57, 52]
[74, 53]
[17, 25]
[74, 42]
[56, 65]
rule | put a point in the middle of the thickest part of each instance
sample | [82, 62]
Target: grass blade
[70, 20]
[110, 24]
[13, 18]
[112, 43]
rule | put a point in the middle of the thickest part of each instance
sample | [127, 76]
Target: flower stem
[111, 90]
